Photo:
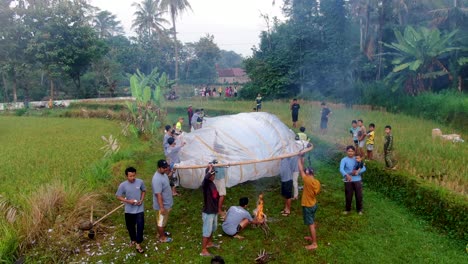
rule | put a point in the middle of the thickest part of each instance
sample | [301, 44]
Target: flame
[260, 215]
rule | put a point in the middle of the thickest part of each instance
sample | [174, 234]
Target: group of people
[132, 191]
[206, 91]
[364, 139]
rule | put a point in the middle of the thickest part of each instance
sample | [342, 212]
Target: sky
[235, 24]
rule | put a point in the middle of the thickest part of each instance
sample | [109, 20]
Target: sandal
[139, 249]
[168, 240]
[285, 213]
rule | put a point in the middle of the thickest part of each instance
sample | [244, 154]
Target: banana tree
[420, 57]
[144, 112]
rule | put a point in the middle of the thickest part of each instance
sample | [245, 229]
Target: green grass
[49, 166]
[386, 233]
[443, 163]
[39, 150]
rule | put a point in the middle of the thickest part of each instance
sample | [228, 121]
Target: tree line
[71, 49]
[356, 50]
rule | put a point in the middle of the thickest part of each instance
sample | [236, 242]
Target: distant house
[232, 75]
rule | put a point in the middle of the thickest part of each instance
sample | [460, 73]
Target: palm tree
[148, 18]
[106, 24]
[418, 58]
[175, 7]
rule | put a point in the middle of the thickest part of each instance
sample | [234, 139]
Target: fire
[260, 215]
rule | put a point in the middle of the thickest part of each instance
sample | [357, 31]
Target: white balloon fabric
[245, 137]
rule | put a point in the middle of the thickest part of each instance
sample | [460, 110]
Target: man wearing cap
[210, 210]
[162, 197]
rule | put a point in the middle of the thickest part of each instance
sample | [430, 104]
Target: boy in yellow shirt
[370, 141]
[309, 202]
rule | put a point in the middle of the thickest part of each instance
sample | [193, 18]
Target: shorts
[362, 144]
[323, 123]
[162, 219]
[308, 214]
[295, 117]
[356, 143]
[286, 189]
[221, 186]
[370, 147]
[210, 222]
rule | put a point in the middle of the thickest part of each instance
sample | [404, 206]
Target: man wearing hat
[210, 210]
[162, 198]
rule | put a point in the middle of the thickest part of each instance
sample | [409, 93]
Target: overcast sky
[236, 24]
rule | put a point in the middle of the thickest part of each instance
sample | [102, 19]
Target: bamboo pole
[109, 213]
[177, 166]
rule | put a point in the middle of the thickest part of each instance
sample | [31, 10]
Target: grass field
[443, 163]
[36, 151]
[47, 164]
[386, 233]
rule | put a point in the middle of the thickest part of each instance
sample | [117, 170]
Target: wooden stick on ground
[109, 213]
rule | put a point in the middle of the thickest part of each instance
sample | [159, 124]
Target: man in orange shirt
[309, 202]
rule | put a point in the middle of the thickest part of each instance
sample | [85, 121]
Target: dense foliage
[64, 49]
[325, 47]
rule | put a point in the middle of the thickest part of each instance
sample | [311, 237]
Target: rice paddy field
[36, 151]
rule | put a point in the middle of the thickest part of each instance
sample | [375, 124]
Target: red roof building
[232, 75]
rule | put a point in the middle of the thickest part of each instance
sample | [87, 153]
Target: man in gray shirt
[238, 218]
[132, 193]
[286, 174]
[162, 197]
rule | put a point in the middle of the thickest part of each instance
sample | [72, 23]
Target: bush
[249, 91]
[443, 209]
[99, 106]
[21, 112]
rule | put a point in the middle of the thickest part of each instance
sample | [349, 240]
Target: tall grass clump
[49, 220]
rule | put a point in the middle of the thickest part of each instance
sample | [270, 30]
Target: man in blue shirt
[162, 197]
[238, 218]
[132, 193]
[352, 181]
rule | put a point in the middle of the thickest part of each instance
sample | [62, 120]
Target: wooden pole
[109, 213]
[177, 166]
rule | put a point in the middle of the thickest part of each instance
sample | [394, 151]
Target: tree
[106, 25]
[63, 43]
[418, 58]
[148, 18]
[229, 59]
[175, 8]
[204, 53]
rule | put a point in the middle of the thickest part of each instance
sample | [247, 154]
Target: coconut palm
[175, 8]
[106, 24]
[148, 18]
[419, 58]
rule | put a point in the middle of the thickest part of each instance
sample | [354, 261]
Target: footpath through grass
[386, 233]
